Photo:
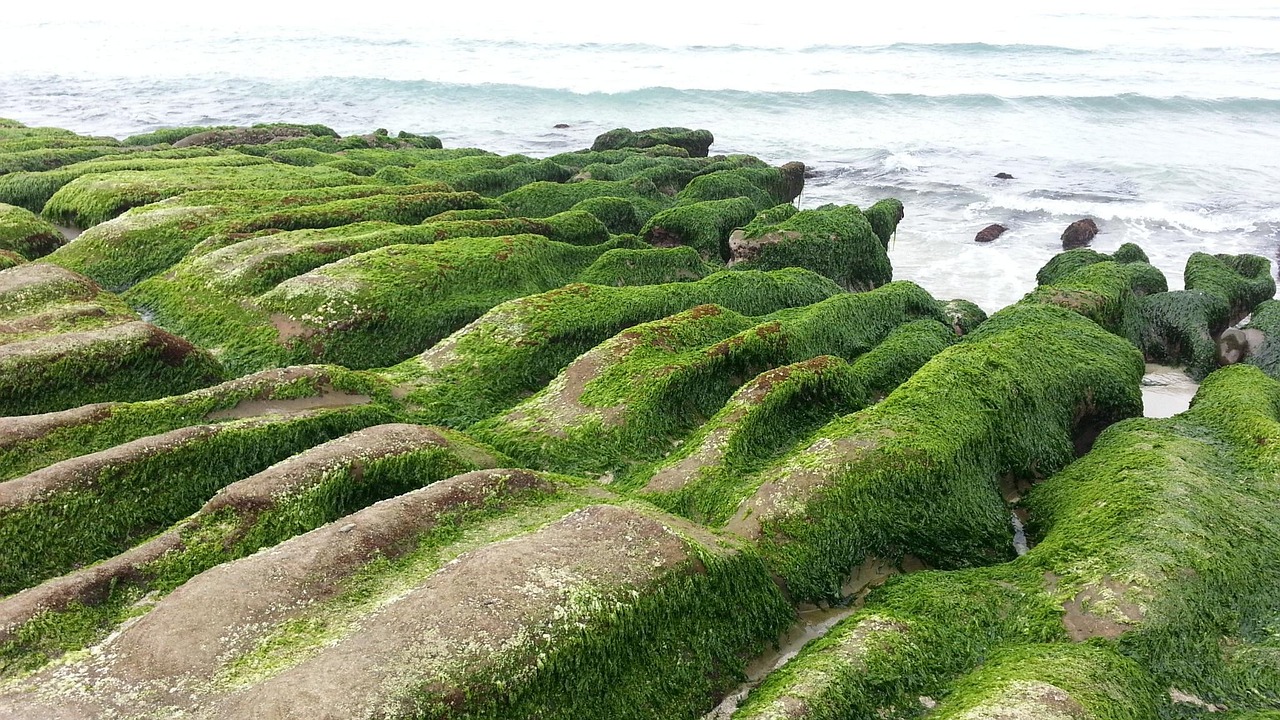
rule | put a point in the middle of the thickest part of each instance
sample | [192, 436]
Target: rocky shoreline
[309, 426]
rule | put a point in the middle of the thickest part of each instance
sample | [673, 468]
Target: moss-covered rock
[646, 266]
[765, 418]
[53, 520]
[1109, 293]
[964, 316]
[695, 142]
[256, 135]
[129, 361]
[703, 226]
[45, 158]
[23, 233]
[126, 250]
[32, 190]
[630, 397]
[544, 199]
[838, 243]
[884, 217]
[1012, 398]
[1183, 327]
[619, 214]
[371, 309]
[87, 201]
[765, 187]
[1140, 562]
[291, 497]
[1242, 281]
[168, 136]
[591, 596]
[33, 442]
[520, 345]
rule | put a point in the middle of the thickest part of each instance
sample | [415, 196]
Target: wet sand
[1166, 391]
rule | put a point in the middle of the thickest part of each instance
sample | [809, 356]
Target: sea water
[1159, 120]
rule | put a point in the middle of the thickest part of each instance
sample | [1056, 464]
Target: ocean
[1159, 120]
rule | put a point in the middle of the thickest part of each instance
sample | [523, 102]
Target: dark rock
[1004, 176]
[989, 233]
[560, 126]
[1079, 234]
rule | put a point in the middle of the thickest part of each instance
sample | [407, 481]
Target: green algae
[544, 199]
[45, 158]
[131, 361]
[520, 345]
[629, 397]
[1069, 261]
[126, 502]
[765, 187]
[1183, 327]
[117, 423]
[695, 142]
[1011, 398]
[33, 190]
[838, 243]
[1266, 319]
[143, 242]
[168, 136]
[342, 312]
[713, 470]
[1107, 292]
[1057, 681]
[89, 200]
[1146, 554]
[646, 266]
[704, 226]
[618, 214]
[223, 532]
[1242, 281]
[25, 234]
[884, 217]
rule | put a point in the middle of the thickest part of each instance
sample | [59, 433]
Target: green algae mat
[311, 426]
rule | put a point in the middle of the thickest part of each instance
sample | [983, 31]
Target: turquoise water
[1161, 121]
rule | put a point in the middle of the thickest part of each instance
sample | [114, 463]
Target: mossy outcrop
[65, 343]
[1183, 327]
[32, 190]
[1013, 397]
[520, 345]
[371, 309]
[1139, 597]
[289, 498]
[25, 234]
[703, 226]
[695, 142]
[839, 243]
[628, 398]
[148, 240]
[352, 539]
[98, 197]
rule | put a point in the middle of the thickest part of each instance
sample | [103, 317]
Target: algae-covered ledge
[305, 425]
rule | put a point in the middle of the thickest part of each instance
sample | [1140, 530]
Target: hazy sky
[659, 21]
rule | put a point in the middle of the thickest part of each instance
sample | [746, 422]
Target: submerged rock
[1004, 176]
